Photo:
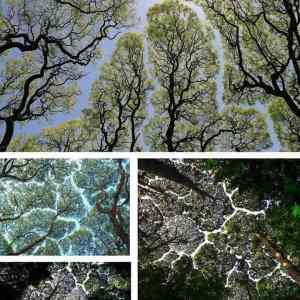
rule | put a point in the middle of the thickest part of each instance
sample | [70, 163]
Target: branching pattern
[54, 41]
[64, 207]
[220, 232]
[50, 281]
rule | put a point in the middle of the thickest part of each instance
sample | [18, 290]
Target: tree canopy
[167, 88]
[221, 234]
[44, 47]
[118, 97]
[262, 43]
[63, 207]
[90, 281]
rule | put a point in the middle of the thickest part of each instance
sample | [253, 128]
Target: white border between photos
[133, 157]
[140, 155]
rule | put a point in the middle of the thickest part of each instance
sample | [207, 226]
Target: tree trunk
[278, 255]
[170, 172]
[9, 132]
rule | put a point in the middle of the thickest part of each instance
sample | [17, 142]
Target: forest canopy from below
[219, 229]
[64, 207]
[170, 75]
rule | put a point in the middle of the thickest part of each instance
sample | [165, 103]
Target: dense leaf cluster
[64, 207]
[222, 242]
[187, 83]
[86, 281]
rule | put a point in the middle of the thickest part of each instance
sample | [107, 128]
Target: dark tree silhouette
[54, 40]
[263, 41]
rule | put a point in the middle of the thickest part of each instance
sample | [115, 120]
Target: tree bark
[170, 172]
[278, 255]
[8, 135]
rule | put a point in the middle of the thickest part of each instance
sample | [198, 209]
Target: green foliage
[291, 187]
[159, 282]
[49, 247]
[286, 228]
[268, 178]
[296, 211]
[276, 180]
[268, 289]
[5, 247]
[185, 62]
[253, 72]
[210, 163]
[25, 144]
[118, 97]
[240, 236]
[50, 42]
[53, 207]
[118, 282]
[247, 123]
[63, 281]
[286, 125]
